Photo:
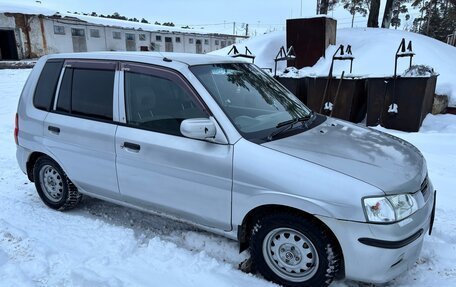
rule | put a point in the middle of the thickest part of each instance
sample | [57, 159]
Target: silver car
[219, 143]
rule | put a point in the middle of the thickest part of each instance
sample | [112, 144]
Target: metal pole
[234, 28]
[301, 9]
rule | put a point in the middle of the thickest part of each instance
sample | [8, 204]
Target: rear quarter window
[47, 84]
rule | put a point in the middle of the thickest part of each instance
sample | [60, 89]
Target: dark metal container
[310, 37]
[350, 102]
[412, 95]
[298, 86]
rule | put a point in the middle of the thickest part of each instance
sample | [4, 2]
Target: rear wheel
[53, 186]
[293, 251]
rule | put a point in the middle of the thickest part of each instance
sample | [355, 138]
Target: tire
[53, 186]
[292, 250]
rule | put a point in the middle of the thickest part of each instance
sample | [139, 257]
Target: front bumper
[377, 253]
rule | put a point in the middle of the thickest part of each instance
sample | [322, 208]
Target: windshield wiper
[289, 125]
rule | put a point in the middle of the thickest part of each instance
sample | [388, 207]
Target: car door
[79, 131]
[159, 168]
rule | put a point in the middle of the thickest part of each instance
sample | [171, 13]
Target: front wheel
[293, 251]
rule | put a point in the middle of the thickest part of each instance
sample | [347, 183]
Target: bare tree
[374, 11]
[322, 6]
[355, 6]
[388, 14]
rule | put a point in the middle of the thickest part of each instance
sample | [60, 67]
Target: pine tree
[355, 6]
[438, 18]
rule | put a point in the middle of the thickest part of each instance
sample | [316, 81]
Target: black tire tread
[73, 196]
[303, 223]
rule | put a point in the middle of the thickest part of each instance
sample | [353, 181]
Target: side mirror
[201, 128]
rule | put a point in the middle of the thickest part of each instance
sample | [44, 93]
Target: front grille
[425, 188]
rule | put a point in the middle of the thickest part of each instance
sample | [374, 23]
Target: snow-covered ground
[374, 50]
[101, 244]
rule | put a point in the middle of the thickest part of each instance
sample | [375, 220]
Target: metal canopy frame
[283, 55]
[341, 54]
[402, 51]
[234, 52]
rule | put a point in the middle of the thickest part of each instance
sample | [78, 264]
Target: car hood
[384, 161]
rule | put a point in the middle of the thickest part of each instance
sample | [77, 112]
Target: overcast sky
[259, 14]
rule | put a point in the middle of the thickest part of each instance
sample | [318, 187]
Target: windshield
[255, 103]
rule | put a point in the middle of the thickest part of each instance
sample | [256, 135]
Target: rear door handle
[54, 130]
[131, 146]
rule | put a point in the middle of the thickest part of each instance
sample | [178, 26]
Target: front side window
[216, 42]
[206, 42]
[158, 38]
[142, 37]
[178, 39]
[190, 40]
[254, 102]
[158, 104]
[130, 36]
[87, 92]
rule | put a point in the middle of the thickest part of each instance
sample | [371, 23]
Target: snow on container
[401, 102]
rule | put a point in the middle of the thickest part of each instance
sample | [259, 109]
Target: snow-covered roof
[39, 9]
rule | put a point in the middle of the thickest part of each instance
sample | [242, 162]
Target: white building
[33, 31]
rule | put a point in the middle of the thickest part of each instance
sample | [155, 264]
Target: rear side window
[47, 83]
[87, 93]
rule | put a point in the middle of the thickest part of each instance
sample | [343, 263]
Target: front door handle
[131, 146]
[54, 130]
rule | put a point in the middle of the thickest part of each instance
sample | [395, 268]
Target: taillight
[16, 129]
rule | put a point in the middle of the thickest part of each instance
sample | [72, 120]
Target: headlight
[387, 209]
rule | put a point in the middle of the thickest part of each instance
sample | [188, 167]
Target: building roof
[39, 9]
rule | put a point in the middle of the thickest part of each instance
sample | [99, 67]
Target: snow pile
[374, 51]
[419, 71]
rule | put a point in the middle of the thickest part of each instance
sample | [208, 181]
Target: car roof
[151, 57]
